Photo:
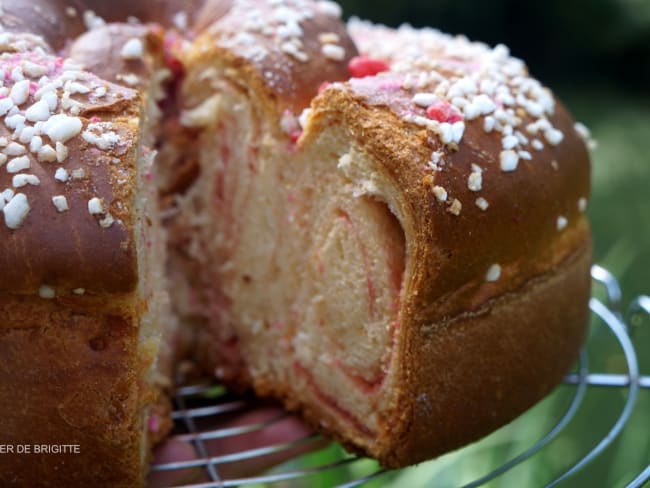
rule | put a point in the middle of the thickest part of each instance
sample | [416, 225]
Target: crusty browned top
[67, 199]
[61, 21]
[288, 48]
[126, 54]
[492, 167]
[68, 142]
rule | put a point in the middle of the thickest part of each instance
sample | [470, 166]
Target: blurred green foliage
[620, 204]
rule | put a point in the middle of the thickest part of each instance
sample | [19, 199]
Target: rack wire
[199, 408]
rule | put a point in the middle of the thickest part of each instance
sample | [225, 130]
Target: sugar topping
[62, 152]
[18, 164]
[130, 79]
[61, 175]
[95, 206]
[509, 142]
[6, 195]
[583, 131]
[92, 20]
[332, 9]
[47, 292]
[41, 99]
[61, 203]
[6, 104]
[181, 20]
[62, 128]
[475, 180]
[509, 160]
[482, 203]
[425, 99]
[20, 92]
[493, 273]
[363, 66]
[18, 181]
[440, 193]
[14, 149]
[304, 117]
[46, 154]
[101, 135]
[554, 136]
[280, 23]
[329, 38]
[333, 52]
[455, 207]
[582, 205]
[107, 221]
[443, 84]
[132, 49]
[16, 210]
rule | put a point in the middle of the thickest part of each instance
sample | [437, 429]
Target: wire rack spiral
[203, 405]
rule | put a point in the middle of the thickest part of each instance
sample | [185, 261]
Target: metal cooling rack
[201, 405]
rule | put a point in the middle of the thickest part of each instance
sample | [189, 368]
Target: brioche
[83, 304]
[402, 258]
[383, 228]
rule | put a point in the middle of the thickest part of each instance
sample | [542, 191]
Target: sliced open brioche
[407, 261]
[382, 228]
[83, 302]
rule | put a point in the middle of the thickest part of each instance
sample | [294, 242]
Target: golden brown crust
[69, 251]
[70, 376]
[61, 21]
[275, 57]
[79, 356]
[72, 249]
[462, 378]
[522, 326]
[100, 52]
[159, 11]
[469, 375]
[454, 251]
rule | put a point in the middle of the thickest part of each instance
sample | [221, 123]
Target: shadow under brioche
[383, 228]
